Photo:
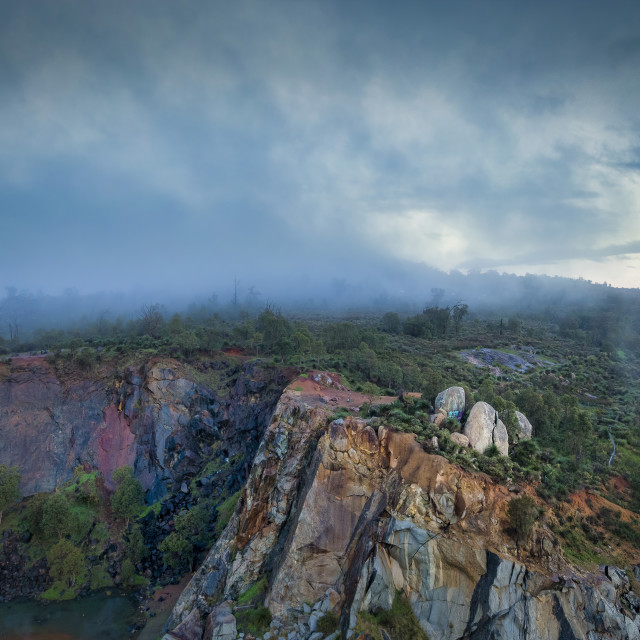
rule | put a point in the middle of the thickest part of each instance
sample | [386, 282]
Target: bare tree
[151, 319]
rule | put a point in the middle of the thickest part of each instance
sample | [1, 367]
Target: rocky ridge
[338, 516]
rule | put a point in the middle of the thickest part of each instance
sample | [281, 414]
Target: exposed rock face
[460, 592]
[524, 426]
[345, 516]
[256, 533]
[153, 418]
[484, 428]
[342, 485]
[44, 424]
[451, 399]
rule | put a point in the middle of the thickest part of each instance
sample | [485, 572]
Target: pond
[106, 615]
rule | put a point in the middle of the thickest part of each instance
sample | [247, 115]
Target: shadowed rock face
[342, 516]
[153, 418]
[46, 425]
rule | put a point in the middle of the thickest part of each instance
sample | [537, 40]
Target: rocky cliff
[339, 517]
[159, 416]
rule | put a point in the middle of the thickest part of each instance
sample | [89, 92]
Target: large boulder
[501, 438]
[483, 428]
[525, 429]
[450, 401]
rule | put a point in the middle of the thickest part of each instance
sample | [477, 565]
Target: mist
[23, 313]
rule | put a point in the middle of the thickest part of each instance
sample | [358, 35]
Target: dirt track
[322, 388]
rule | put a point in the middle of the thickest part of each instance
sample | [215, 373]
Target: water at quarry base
[99, 615]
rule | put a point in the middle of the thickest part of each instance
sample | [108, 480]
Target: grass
[59, 591]
[254, 592]
[399, 623]
[619, 528]
[368, 625]
[147, 509]
[225, 511]
[99, 578]
[328, 623]
[254, 621]
[137, 582]
[12, 519]
[579, 550]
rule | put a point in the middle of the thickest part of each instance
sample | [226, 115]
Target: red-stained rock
[116, 443]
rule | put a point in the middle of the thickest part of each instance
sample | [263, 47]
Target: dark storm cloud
[168, 143]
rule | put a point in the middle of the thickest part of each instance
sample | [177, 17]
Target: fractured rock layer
[345, 514]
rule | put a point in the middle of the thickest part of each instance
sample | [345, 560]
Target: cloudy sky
[182, 144]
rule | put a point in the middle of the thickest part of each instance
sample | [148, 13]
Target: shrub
[400, 621]
[225, 511]
[56, 516]
[135, 547]
[127, 571]
[523, 513]
[492, 451]
[328, 623]
[127, 498]
[255, 621]
[34, 513]
[66, 562]
[9, 483]
[192, 525]
[176, 551]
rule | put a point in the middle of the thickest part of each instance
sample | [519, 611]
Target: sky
[180, 145]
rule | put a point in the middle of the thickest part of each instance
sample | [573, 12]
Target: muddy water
[97, 616]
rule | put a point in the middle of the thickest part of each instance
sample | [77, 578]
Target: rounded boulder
[451, 400]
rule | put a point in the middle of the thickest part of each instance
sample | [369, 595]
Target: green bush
[134, 546]
[225, 511]
[400, 622]
[522, 513]
[9, 487]
[192, 525]
[127, 571]
[176, 551]
[492, 451]
[66, 563]
[127, 498]
[328, 623]
[56, 516]
[33, 514]
[254, 621]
